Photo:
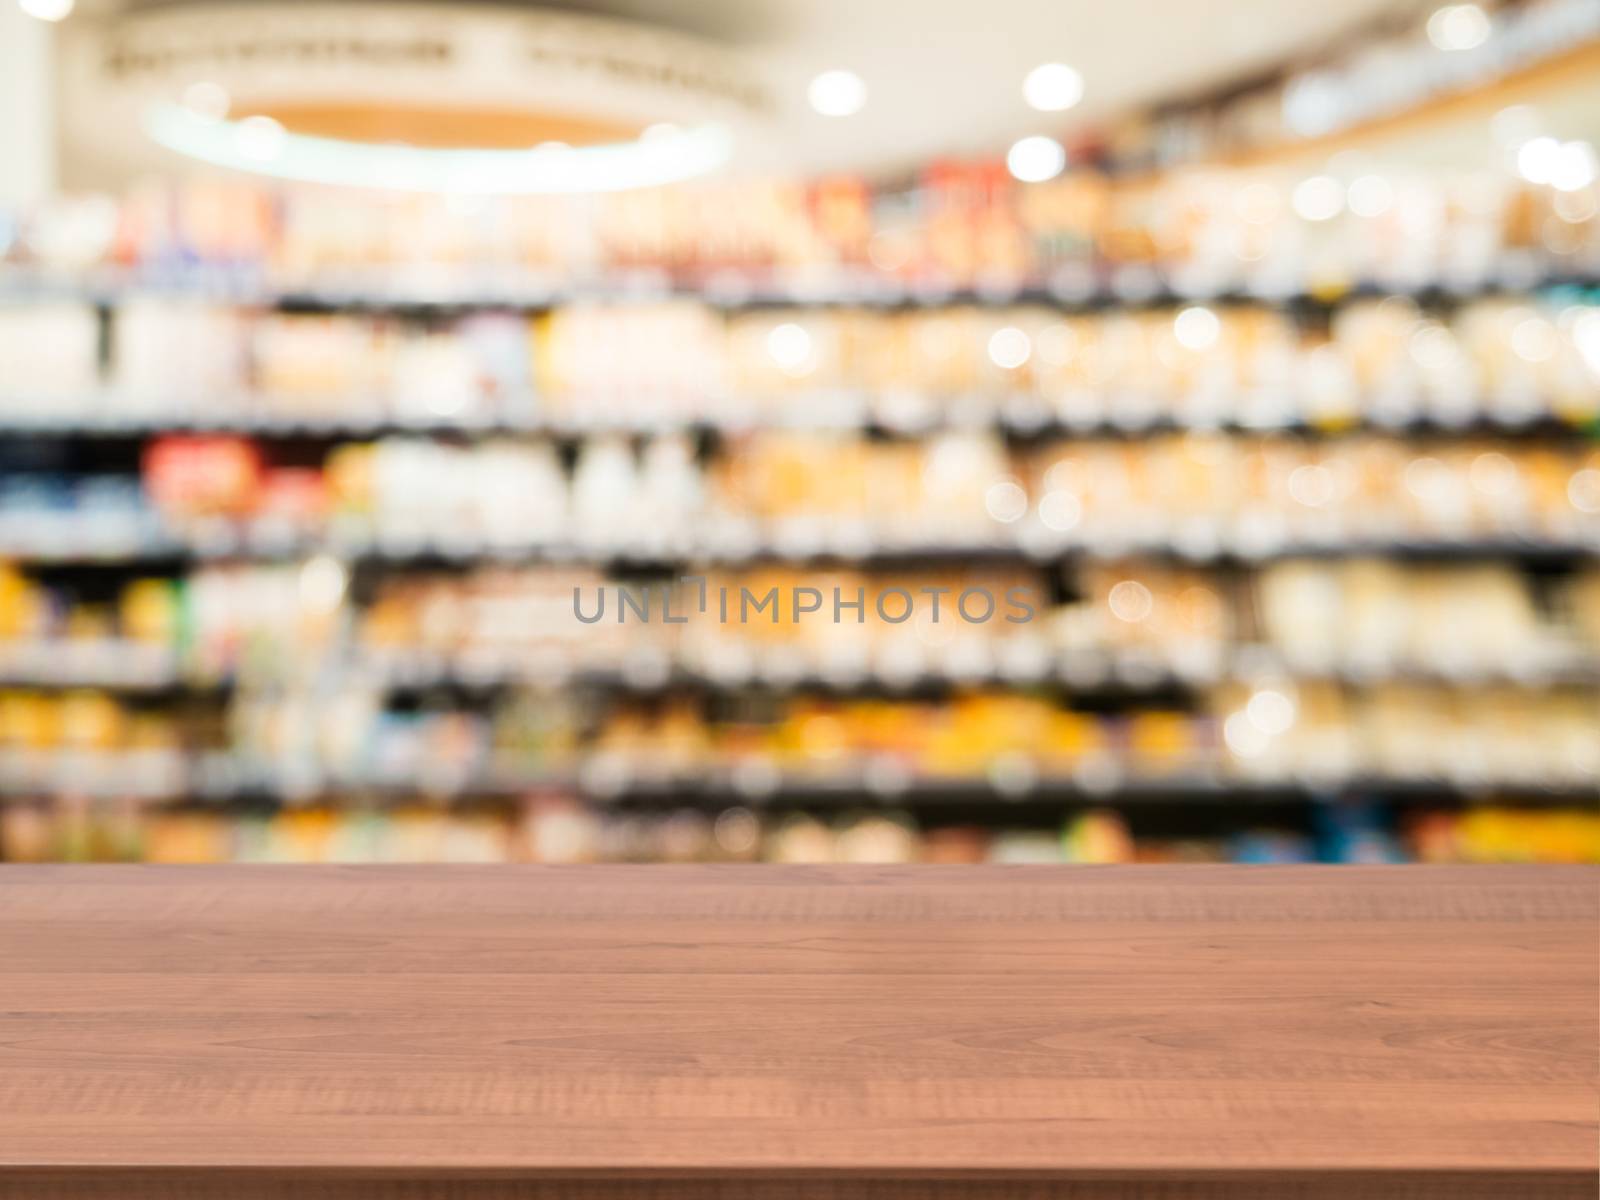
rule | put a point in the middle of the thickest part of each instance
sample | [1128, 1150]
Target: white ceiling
[945, 76]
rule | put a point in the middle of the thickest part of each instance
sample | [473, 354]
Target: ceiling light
[261, 145]
[837, 93]
[1052, 87]
[46, 10]
[1458, 27]
[1035, 159]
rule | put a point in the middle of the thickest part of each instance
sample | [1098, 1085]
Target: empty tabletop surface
[766, 1022]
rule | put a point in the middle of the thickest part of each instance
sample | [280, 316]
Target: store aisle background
[1260, 392]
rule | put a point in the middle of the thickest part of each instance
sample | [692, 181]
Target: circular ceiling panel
[447, 97]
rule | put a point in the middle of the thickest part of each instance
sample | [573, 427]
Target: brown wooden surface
[418, 1033]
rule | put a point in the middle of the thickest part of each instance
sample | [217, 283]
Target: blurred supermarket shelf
[302, 487]
[1074, 289]
[1513, 362]
[122, 664]
[1074, 672]
[161, 776]
[1019, 415]
[559, 829]
[95, 547]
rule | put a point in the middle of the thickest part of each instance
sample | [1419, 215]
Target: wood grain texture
[1258, 1186]
[481, 1033]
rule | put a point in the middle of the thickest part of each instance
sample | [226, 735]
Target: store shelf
[1021, 416]
[224, 779]
[121, 665]
[1075, 289]
[1005, 790]
[403, 551]
[1085, 671]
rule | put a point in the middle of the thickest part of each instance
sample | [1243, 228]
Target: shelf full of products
[302, 497]
[1087, 236]
[556, 829]
[295, 680]
[1503, 362]
[779, 495]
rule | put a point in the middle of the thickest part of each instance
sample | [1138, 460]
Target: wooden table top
[705, 1031]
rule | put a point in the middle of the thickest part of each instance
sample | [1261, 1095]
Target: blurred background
[341, 343]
